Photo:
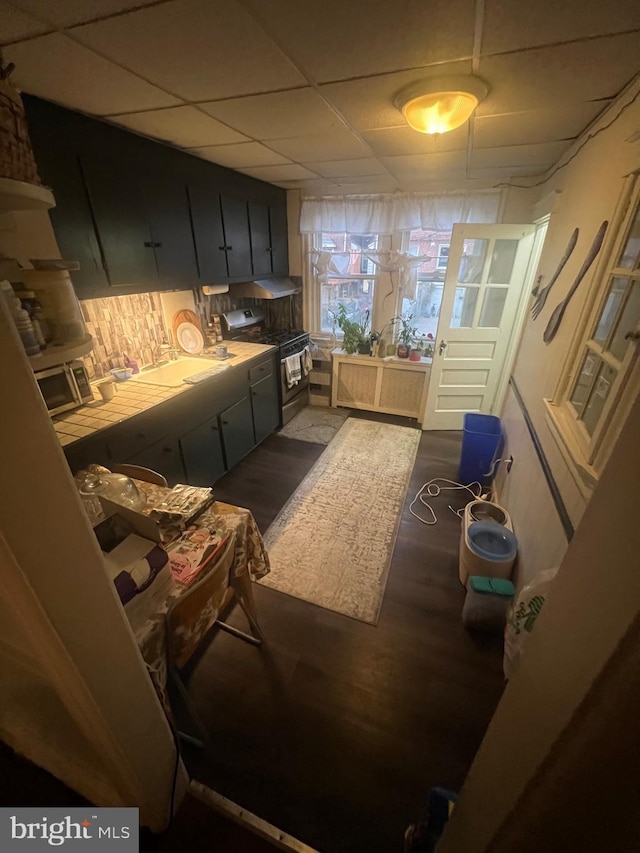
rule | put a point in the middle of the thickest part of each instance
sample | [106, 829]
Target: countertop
[134, 396]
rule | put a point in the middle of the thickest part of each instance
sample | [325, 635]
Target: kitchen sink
[174, 373]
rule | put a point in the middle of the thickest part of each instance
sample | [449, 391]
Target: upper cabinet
[141, 216]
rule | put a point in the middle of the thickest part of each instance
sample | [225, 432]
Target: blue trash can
[482, 442]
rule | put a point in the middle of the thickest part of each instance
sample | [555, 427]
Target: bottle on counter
[22, 322]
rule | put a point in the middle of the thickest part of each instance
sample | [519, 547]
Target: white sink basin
[174, 373]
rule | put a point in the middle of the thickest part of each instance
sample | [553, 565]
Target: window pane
[629, 255]
[493, 306]
[334, 242]
[355, 294]
[601, 390]
[425, 307]
[435, 246]
[504, 254]
[610, 310]
[464, 306]
[472, 260]
[585, 381]
[443, 257]
[362, 242]
[629, 320]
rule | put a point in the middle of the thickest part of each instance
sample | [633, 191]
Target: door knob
[632, 336]
[442, 347]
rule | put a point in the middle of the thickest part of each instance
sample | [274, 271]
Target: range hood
[266, 288]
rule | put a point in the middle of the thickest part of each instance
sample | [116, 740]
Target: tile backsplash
[122, 325]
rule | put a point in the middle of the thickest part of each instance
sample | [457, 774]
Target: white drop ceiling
[300, 93]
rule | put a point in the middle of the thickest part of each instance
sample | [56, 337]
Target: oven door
[294, 398]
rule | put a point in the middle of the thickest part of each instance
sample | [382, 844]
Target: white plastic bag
[523, 616]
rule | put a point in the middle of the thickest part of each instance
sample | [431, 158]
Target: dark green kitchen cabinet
[279, 238]
[163, 457]
[202, 454]
[265, 407]
[236, 425]
[235, 219]
[208, 233]
[260, 239]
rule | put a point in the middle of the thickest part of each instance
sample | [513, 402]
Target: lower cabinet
[197, 436]
[238, 437]
[163, 457]
[265, 406]
[202, 454]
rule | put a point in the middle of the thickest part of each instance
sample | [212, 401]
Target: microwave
[64, 387]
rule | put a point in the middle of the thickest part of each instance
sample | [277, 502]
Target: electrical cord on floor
[432, 489]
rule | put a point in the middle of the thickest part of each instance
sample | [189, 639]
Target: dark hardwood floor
[335, 730]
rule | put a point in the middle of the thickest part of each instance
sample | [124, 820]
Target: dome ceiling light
[440, 104]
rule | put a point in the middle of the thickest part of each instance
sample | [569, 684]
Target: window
[351, 277]
[443, 256]
[602, 374]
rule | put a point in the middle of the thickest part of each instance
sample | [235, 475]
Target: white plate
[190, 338]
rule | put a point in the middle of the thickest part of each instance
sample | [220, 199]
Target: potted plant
[355, 336]
[406, 334]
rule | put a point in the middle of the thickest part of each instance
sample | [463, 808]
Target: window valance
[387, 214]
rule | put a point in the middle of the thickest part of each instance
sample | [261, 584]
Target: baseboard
[246, 819]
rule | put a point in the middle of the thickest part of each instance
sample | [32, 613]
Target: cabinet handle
[167, 449]
[269, 249]
[148, 244]
[221, 248]
[157, 245]
[229, 248]
[214, 428]
[225, 423]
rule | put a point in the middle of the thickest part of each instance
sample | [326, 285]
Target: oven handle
[282, 360]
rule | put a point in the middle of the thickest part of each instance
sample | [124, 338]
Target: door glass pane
[472, 260]
[501, 267]
[584, 382]
[464, 306]
[610, 310]
[493, 306]
[599, 394]
[629, 255]
[629, 320]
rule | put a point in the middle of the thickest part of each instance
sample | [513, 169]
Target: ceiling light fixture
[440, 104]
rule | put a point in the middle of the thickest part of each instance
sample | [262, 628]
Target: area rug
[314, 424]
[333, 540]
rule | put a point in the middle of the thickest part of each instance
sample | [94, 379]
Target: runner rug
[315, 424]
[333, 540]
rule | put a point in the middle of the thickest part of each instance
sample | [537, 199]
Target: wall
[583, 193]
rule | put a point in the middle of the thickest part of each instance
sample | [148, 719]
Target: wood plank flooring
[335, 730]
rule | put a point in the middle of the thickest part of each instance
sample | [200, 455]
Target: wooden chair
[192, 615]
[140, 473]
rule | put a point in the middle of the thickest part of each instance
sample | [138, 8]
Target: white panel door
[483, 287]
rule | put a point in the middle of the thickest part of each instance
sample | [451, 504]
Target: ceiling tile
[332, 42]
[17, 25]
[374, 183]
[311, 187]
[57, 68]
[182, 126]
[405, 140]
[566, 74]
[343, 168]
[277, 115]
[66, 13]
[420, 164]
[239, 156]
[544, 125]
[339, 145]
[510, 26]
[274, 174]
[543, 155]
[367, 103]
[198, 49]
[505, 173]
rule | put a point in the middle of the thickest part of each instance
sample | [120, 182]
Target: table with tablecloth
[146, 612]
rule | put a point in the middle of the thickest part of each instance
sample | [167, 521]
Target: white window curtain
[392, 213]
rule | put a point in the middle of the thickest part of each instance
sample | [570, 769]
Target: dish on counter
[190, 338]
[121, 373]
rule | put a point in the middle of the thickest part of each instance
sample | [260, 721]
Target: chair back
[194, 612]
[140, 473]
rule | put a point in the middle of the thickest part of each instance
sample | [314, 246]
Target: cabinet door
[260, 238]
[87, 451]
[167, 204]
[116, 196]
[279, 239]
[265, 406]
[208, 233]
[236, 424]
[202, 454]
[163, 457]
[236, 235]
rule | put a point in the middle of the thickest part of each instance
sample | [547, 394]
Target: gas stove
[248, 325]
